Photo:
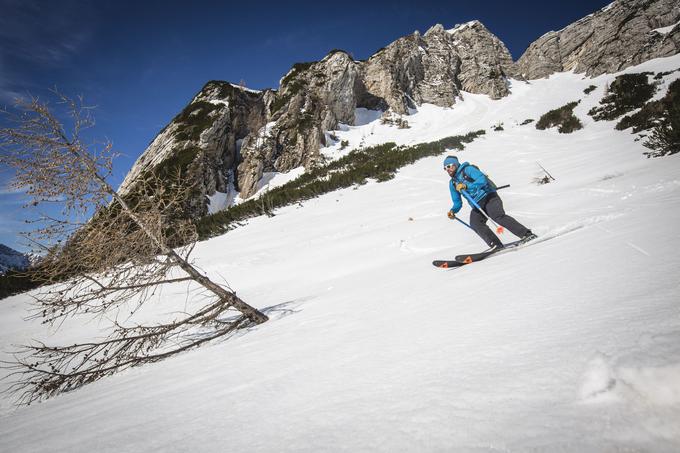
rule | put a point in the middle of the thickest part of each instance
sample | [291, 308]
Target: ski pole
[463, 222]
[499, 229]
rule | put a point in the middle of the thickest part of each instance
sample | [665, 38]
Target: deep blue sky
[140, 62]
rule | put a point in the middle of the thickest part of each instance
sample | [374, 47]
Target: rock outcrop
[485, 61]
[435, 67]
[313, 98]
[624, 33]
[203, 141]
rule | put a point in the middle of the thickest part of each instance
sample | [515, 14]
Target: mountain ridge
[233, 145]
[11, 259]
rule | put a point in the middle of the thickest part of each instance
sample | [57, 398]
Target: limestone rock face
[314, 98]
[623, 34]
[485, 61]
[393, 72]
[202, 141]
[433, 68]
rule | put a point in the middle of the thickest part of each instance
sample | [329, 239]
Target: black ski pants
[493, 206]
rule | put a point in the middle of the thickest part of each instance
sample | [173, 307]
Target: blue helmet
[451, 160]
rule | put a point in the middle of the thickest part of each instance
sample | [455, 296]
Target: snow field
[568, 344]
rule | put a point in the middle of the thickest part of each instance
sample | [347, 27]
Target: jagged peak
[437, 28]
[336, 51]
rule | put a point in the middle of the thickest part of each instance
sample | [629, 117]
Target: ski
[462, 260]
[473, 257]
[447, 264]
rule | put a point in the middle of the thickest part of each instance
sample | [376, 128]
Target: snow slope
[569, 344]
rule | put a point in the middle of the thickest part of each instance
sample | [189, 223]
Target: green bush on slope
[562, 117]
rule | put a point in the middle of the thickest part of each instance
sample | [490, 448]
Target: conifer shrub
[296, 70]
[654, 112]
[644, 119]
[665, 136]
[379, 163]
[282, 98]
[563, 118]
[526, 121]
[225, 88]
[194, 119]
[661, 75]
[590, 89]
[626, 93]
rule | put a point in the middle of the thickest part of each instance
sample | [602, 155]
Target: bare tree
[104, 251]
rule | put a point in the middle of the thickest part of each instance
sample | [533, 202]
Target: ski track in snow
[571, 343]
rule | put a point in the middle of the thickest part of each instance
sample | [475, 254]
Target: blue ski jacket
[477, 185]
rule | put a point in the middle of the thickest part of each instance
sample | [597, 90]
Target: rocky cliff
[624, 33]
[203, 141]
[435, 67]
[313, 98]
[229, 135]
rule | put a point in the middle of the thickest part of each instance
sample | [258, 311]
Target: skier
[466, 177]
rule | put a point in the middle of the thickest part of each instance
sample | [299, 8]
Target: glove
[460, 186]
[451, 214]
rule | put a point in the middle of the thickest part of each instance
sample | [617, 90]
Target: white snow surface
[219, 201]
[460, 27]
[666, 30]
[608, 7]
[569, 344]
[249, 90]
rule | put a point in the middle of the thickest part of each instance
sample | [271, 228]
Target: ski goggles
[449, 166]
